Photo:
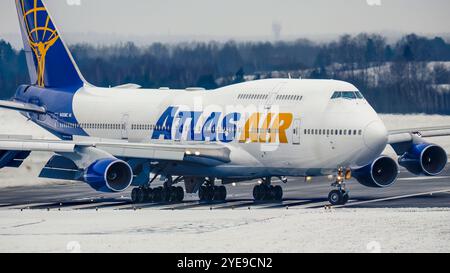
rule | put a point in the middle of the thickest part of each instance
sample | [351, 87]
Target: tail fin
[49, 61]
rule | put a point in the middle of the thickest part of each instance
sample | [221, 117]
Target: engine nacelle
[382, 173]
[109, 175]
[424, 159]
[12, 158]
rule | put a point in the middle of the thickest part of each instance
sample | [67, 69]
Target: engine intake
[424, 159]
[382, 173]
[109, 175]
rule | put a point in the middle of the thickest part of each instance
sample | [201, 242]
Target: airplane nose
[376, 136]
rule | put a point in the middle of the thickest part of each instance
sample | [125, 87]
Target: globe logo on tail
[41, 35]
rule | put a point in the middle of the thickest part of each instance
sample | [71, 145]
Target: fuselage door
[273, 96]
[296, 132]
[125, 125]
[271, 100]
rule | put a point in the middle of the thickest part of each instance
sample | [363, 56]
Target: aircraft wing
[407, 135]
[20, 106]
[208, 154]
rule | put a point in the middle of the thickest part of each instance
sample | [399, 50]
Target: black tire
[257, 193]
[345, 199]
[180, 194]
[157, 195]
[266, 193]
[278, 193]
[223, 193]
[216, 193]
[202, 193]
[141, 195]
[171, 195]
[150, 195]
[134, 198]
[167, 194]
[335, 197]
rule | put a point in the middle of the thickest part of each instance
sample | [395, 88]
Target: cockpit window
[349, 95]
[336, 95]
[359, 95]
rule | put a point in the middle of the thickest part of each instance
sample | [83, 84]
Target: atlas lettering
[176, 124]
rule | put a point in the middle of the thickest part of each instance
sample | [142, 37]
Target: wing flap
[20, 106]
[154, 151]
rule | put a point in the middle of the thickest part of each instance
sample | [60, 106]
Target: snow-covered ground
[13, 123]
[347, 230]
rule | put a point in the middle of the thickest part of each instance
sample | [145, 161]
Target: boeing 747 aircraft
[116, 138]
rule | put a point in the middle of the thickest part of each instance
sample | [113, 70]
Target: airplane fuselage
[273, 127]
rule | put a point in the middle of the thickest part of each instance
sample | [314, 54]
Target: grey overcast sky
[239, 19]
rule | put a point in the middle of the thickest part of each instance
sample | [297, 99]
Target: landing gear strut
[340, 195]
[209, 192]
[267, 192]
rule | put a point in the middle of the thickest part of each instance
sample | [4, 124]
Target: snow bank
[346, 230]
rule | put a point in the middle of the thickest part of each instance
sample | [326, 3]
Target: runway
[409, 192]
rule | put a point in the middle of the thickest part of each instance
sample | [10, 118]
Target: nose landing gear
[340, 195]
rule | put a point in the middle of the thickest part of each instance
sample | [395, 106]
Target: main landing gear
[340, 195]
[166, 194]
[267, 192]
[209, 192]
[157, 195]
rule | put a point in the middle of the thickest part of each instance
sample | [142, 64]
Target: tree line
[409, 76]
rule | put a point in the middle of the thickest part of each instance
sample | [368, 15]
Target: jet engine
[382, 173]
[109, 175]
[424, 159]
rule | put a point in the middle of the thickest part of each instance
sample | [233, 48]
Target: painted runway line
[393, 198]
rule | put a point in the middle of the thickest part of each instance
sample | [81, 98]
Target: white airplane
[116, 138]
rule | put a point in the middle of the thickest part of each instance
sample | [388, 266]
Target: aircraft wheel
[150, 195]
[257, 193]
[141, 195]
[336, 197]
[134, 195]
[179, 194]
[345, 198]
[223, 193]
[267, 192]
[202, 193]
[278, 193]
[158, 195]
[220, 193]
[206, 193]
[216, 193]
